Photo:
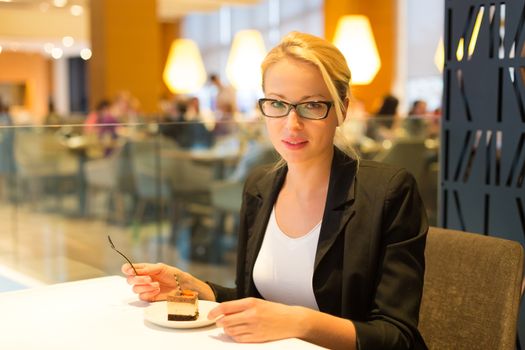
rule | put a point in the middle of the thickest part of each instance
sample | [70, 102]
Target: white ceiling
[27, 25]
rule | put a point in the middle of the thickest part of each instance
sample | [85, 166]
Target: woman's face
[299, 140]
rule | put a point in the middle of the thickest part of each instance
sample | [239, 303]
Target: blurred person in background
[125, 108]
[418, 108]
[417, 123]
[183, 124]
[225, 107]
[102, 124]
[381, 126]
[225, 100]
[52, 117]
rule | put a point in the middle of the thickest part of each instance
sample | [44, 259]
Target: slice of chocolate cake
[183, 306]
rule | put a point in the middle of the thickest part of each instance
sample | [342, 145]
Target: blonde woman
[330, 249]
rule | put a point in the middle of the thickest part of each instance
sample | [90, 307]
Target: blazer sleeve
[392, 321]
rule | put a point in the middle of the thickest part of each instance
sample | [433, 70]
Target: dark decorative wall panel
[483, 126]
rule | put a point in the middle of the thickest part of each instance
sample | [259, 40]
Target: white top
[102, 313]
[284, 268]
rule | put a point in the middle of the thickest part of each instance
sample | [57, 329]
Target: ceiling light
[354, 37]
[68, 41]
[184, 71]
[246, 55]
[76, 10]
[60, 3]
[57, 53]
[48, 47]
[85, 54]
[44, 6]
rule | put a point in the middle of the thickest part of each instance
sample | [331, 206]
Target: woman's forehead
[294, 76]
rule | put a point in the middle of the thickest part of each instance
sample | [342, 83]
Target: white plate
[157, 313]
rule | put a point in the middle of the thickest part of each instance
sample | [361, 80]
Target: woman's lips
[294, 143]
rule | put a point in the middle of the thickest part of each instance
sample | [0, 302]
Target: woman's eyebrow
[303, 98]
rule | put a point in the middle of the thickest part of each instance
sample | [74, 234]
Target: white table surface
[101, 313]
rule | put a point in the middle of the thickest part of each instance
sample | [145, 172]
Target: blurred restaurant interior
[139, 121]
[112, 125]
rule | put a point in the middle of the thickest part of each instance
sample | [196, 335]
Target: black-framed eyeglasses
[309, 110]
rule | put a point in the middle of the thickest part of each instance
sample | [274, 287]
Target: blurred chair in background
[7, 156]
[111, 177]
[44, 166]
[226, 195]
[420, 160]
[151, 175]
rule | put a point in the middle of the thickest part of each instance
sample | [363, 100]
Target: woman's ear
[346, 103]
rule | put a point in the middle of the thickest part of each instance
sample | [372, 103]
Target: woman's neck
[309, 179]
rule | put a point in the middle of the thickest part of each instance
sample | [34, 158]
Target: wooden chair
[472, 291]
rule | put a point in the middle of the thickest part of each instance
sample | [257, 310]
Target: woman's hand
[155, 281]
[253, 320]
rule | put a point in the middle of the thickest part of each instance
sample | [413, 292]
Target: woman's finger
[132, 280]
[231, 307]
[146, 288]
[150, 296]
[236, 331]
[142, 269]
[233, 320]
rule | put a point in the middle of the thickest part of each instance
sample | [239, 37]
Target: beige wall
[126, 47]
[33, 70]
[28, 23]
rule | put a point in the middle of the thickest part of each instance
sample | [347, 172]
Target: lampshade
[243, 68]
[184, 72]
[354, 37]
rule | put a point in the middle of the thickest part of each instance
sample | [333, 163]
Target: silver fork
[115, 249]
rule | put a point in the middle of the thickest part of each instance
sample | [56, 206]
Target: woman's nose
[293, 120]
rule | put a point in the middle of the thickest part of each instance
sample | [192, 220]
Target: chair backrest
[42, 154]
[471, 292]
[112, 172]
[410, 154]
[151, 175]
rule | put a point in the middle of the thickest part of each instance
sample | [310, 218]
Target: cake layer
[175, 308]
[183, 306]
[183, 318]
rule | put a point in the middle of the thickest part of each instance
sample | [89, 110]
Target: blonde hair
[332, 65]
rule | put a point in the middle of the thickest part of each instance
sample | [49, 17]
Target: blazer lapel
[341, 194]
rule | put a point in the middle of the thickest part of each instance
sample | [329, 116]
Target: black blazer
[369, 263]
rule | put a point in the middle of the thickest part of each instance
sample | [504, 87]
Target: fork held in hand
[115, 249]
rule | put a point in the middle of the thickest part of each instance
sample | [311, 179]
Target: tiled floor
[52, 247]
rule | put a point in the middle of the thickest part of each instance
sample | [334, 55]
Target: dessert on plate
[183, 305]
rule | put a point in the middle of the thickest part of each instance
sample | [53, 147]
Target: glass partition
[164, 192]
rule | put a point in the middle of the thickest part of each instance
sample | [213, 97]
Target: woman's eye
[313, 105]
[278, 104]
